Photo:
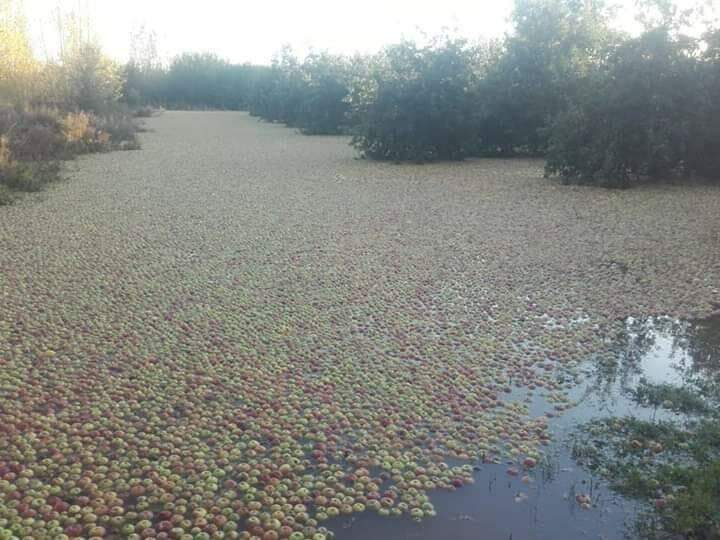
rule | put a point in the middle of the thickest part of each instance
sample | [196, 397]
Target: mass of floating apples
[207, 434]
[248, 374]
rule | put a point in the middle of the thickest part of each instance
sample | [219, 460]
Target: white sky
[251, 31]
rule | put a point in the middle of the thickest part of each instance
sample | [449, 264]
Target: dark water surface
[545, 506]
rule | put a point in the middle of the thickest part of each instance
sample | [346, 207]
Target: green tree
[323, 107]
[704, 155]
[416, 103]
[638, 116]
[555, 43]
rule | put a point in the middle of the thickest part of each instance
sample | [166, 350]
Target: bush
[21, 176]
[120, 129]
[310, 95]
[277, 92]
[192, 81]
[196, 80]
[29, 176]
[638, 117]
[323, 107]
[31, 135]
[33, 141]
[417, 103]
[143, 112]
[145, 86]
[37, 136]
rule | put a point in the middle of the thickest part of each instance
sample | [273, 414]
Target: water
[545, 506]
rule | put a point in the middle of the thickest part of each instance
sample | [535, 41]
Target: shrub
[323, 107]
[637, 117]
[28, 176]
[31, 135]
[33, 141]
[310, 95]
[76, 127]
[416, 103]
[53, 111]
[21, 176]
[277, 92]
[143, 112]
[29, 142]
[193, 80]
[120, 129]
[144, 85]
[5, 160]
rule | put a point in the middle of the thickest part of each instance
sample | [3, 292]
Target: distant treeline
[192, 81]
[599, 105]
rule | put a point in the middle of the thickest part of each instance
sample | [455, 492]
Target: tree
[18, 67]
[416, 103]
[704, 155]
[92, 81]
[555, 43]
[323, 107]
[639, 116]
[204, 80]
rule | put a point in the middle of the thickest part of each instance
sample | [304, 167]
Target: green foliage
[696, 511]
[673, 465]
[50, 111]
[554, 45]
[143, 85]
[601, 107]
[704, 151]
[310, 95]
[18, 67]
[29, 176]
[323, 107]
[417, 103]
[676, 398]
[277, 91]
[646, 113]
[196, 80]
[192, 81]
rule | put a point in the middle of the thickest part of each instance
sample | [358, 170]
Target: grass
[679, 399]
[672, 465]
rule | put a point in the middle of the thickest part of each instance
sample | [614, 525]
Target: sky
[243, 31]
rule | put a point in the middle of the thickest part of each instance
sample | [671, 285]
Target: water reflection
[545, 505]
